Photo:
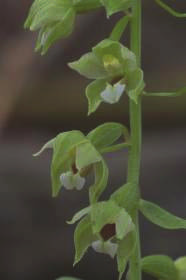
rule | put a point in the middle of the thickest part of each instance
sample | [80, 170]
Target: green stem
[136, 131]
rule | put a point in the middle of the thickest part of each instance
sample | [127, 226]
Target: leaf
[127, 197]
[135, 84]
[93, 94]
[86, 154]
[119, 28]
[125, 249]
[63, 156]
[106, 134]
[101, 179]
[114, 6]
[79, 215]
[180, 264]
[103, 213]
[159, 266]
[83, 238]
[176, 93]
[160, 216]
[67, 278]
[48, 145]
[89, 66]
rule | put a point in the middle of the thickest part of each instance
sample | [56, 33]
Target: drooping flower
[114, 69]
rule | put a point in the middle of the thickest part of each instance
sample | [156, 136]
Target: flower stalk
[136, 135]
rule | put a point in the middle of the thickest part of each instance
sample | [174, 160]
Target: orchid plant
[109, 227]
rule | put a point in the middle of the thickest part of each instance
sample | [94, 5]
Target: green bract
[114, 69]
[108, 228]
[54, 20]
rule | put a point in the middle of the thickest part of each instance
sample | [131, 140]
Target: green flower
[108, 229]
[54, 20]
[114, 69]
[180, 264]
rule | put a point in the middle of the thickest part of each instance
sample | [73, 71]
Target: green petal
[93, 93]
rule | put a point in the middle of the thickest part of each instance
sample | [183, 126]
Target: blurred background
[40, 97]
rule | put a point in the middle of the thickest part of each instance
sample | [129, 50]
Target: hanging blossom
[109, 65]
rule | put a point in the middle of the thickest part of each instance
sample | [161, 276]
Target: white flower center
[72, 181]
[112, 94]
[106, 247]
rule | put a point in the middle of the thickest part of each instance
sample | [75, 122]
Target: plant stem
[136, 132]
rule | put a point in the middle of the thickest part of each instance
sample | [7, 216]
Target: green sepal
[89, 66]
[119, 28]
[108, 212]
[48, 145]
[114, 6]
[80, 214]
[106, 134]
[161, 217]
[83, 238]
[93, 94]
[180, 264]
[125, 250]
[135, 84]
[159, 266]
[101, 179]
[127, 197]
[86, 155]
[176, 93]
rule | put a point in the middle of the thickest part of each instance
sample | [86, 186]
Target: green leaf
[160, 216]
[79, 215]
[86, 154]
[114, 6]
[127, 197]
[101, 179]
[119, 28]
[159, 266]
[67, 278]
[106, 134]
[83, 238]
[180, 264]
[89, 66]
[93, 94]
[103, 213]
[64, 155]
[125, 249]
[48, 145]
[135, 84]
[176, 93]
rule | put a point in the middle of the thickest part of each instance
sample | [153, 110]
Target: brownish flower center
[74, 168]
[108, 231]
